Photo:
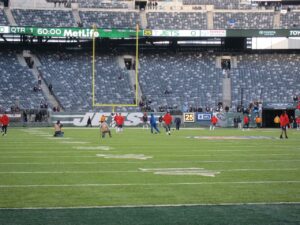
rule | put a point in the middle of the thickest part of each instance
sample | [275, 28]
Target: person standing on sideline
[153, 124]
[239, 121]
[89, 122]
[168, 120]
[213, 121]
[246, 122]
[258, 121]
[145, 120]
[4, 121]
[104, 129]
[292, 121]
[284, 122]
[277, 121]
[177, 122]
[298, 122]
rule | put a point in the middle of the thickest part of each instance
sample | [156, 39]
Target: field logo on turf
[182, 171]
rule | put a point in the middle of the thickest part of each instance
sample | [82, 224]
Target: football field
[193, 176]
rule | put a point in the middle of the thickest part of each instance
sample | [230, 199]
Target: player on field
[104, 129]
[102, 118]
[4, 120]
[284, 122]
[145, 120]
[213, 121]
[153, 124]
[119, 121]
[112, 122]
[57, 129]
[168, 120]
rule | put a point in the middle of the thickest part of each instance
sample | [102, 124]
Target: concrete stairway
[10, 17]
[276, 22]
[50, 98]
[226, 92]
[143, 18]
[75, 13]
[132, 75]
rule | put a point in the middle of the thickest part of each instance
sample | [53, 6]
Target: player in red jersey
[284, 122]
[246, 122]
[213, 121]
[168, 120]
[119, 121]
[4, 120]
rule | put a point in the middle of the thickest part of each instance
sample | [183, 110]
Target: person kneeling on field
[57, 129]
[104, 129]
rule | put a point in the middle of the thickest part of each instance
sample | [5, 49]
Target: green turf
[39, 171]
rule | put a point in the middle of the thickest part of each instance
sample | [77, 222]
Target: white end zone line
[158, 205]
[148, 184]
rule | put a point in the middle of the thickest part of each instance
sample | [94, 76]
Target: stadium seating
[224, 4]
[3, 19]
[176, 79]
[266, 77]
[290, 20]
[71, 77]
[108, 19]
[44, 18]
[242, 20]
[176, 20]
[16, 87]
[102, 4]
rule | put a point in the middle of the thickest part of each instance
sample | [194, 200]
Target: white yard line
[156, 206]
[136, 171]
[70, 172]
[149, 184]
[133, 156]
[155, 162]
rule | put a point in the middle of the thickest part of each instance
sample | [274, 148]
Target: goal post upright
[93, 64]
[136, 64]
[113, 105]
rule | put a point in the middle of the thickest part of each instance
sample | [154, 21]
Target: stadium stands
[242, 20]
[109, 19]
[225, 4]
[167, 80]
[102, 4]
[44, 18]
[3, 19]
[175, 79]
[290, 20]
[266, 77]
[17, 82]
[176, 20]
[71, 77]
